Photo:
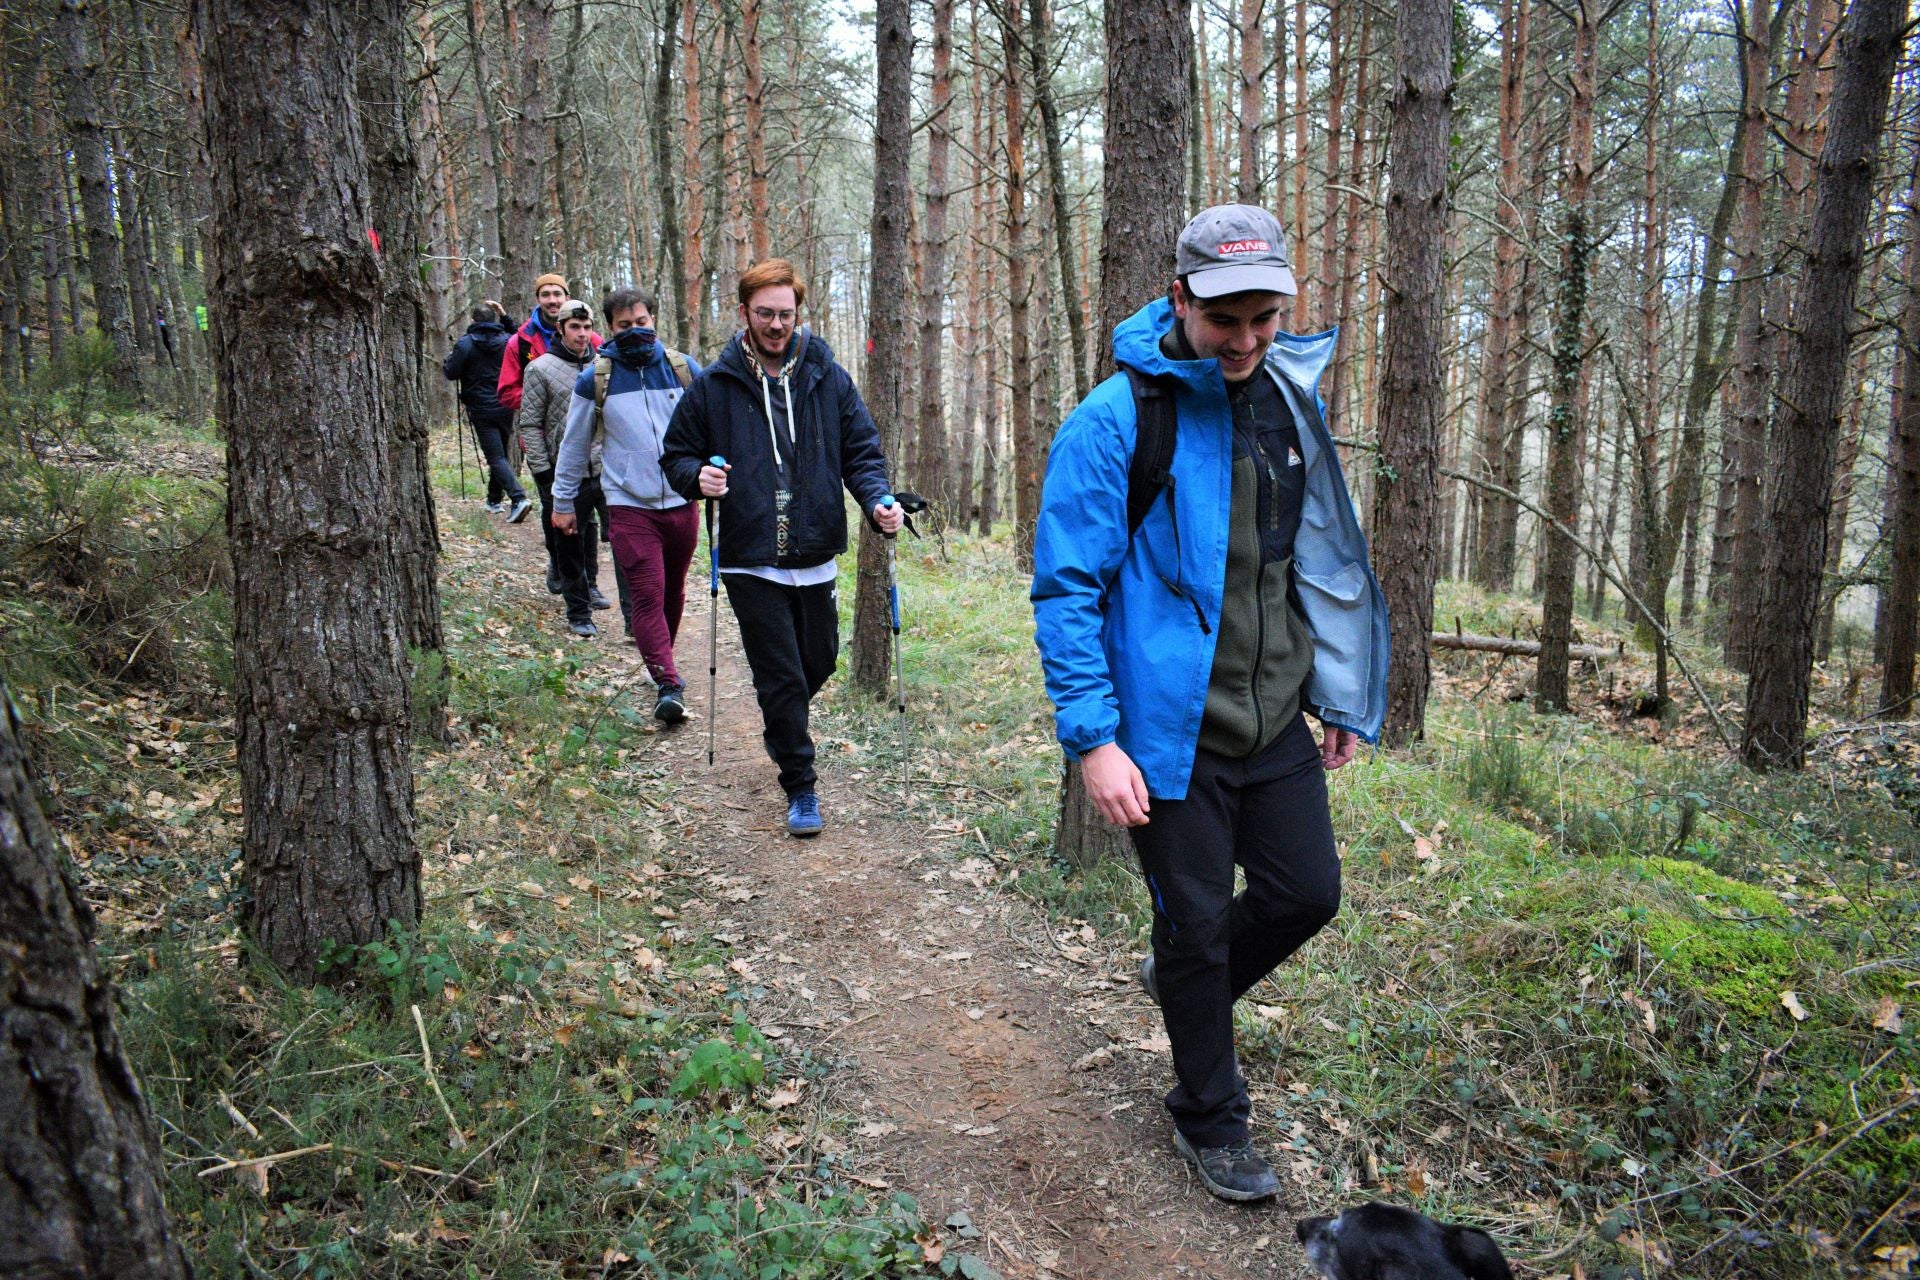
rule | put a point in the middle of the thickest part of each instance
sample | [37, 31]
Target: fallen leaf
[1422, 847]
[1155, 1043]
[1790, 1000]
[1886, 1015]
[787, 1095]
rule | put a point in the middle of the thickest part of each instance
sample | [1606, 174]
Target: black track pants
[1268, 814]
[792, 639]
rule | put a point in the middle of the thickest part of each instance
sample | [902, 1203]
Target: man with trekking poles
[1201, 585]
[771, 432]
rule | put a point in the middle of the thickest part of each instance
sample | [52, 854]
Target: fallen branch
[455, 1138]
[261, 1162]
[1514, 647]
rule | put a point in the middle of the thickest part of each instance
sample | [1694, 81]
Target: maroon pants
[654, 549]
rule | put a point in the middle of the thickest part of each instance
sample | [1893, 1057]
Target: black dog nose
[1307, 1228]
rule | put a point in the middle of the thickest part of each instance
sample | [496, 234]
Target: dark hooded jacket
[474, 363]
[836, 444]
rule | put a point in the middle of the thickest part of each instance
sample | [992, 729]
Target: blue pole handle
[893, 599]
[886, 499]
[716, 461]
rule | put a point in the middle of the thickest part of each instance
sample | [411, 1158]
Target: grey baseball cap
[1233, 248]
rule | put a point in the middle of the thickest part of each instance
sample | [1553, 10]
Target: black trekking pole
[909, 504]
[460, 434]
[713, 613]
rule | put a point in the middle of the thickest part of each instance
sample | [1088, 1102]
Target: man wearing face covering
[621, 405]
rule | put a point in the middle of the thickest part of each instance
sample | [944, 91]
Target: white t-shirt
[808, 577]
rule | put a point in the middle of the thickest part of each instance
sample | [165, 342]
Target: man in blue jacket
[793, 430]
[1183, 656]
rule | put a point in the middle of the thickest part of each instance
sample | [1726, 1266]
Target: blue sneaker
[803, 814]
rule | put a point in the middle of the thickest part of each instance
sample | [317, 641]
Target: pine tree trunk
[1039, 47]
[1250, 187]
[1899, 632]
[1807, 419]
[693, 267]
[755, 90]
[84, 1172]
[886, 373]
[667, 167]
[1564, 426]
[1406, 532]
[1301, 241]
[320, 617]
[1150, 51]
[934, 473]
[521, 242]
[89, 140]
[495, 178]
[1026, 447]
[386, 79]
[1752, 368]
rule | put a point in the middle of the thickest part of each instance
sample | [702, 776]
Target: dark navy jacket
[474, 363]
[838, 444]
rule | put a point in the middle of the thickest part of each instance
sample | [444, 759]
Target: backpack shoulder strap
[1156, 432]
[602, 375]
[681, 368]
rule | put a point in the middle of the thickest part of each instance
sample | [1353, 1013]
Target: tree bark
[1900, 612]
[493, 159]
[1752, 367]
[386, 77]
[667, 166]
[693, 267]
[520, 241]
[886, 372]
[1564, 426]
[1039, 47]
[320, 618]
[105, 266]
[755, 89]
[83, 1160]
[1807, 421]
[1251, 187]
[1150, 53]
[1026, 447]
[933, 472]
[1406, 533]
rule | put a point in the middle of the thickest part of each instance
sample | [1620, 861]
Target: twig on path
[455, 1139]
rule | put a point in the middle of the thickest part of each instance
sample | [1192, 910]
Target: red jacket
[524, 347]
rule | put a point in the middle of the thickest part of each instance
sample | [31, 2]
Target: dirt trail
[958, 1020]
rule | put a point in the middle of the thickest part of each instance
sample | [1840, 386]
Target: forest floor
[1593, 987]
[1004, 1070]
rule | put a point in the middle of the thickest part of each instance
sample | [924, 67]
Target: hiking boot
[583, 629]
[803, 814]
[518, 511]
[1236, 1172]
[1147, 983]
[669, 707]
[597, 600]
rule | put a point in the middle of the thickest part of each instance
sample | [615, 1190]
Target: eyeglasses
[766, 315]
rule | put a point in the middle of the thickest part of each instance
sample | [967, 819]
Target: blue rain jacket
[1126, 659]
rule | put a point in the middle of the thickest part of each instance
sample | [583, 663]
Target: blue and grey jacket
[642, 392]
[1126, 659]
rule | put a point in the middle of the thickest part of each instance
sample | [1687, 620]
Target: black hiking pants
[1267, 814]
[495, 433]
[576, 555]
[792, 639]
